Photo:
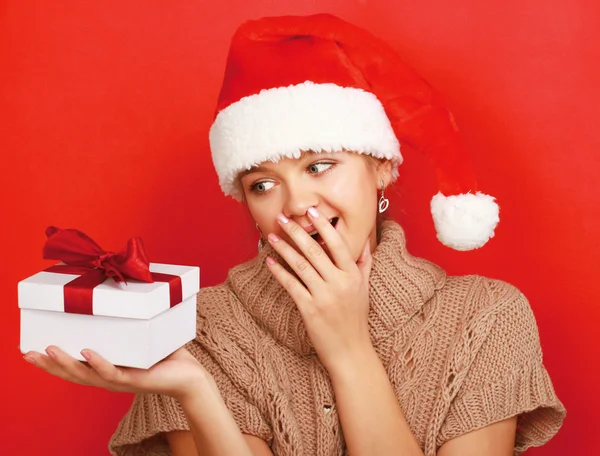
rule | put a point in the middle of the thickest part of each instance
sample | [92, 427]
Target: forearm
[371, 417]
[213, 428]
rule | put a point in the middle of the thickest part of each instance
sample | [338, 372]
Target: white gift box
[132, 325]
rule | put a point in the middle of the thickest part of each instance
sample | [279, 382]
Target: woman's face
[343, 186]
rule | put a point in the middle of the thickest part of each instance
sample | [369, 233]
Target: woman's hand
[178, 375]
[334, 303]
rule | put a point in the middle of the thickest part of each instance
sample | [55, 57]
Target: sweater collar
[399, 285]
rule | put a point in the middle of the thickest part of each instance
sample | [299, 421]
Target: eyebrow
[254, 169]
[307, 155]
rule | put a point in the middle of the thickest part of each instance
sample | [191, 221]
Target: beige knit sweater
[460, 352]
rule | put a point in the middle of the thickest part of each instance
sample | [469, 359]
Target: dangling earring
[383, 201]
[260, 239]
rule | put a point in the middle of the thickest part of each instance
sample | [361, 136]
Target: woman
[335, 340]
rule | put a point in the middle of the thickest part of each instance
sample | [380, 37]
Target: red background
[105, 111]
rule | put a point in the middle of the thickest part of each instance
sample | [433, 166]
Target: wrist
[354, 362]
[202, 388]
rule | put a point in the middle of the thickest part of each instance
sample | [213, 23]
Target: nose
[298, 199]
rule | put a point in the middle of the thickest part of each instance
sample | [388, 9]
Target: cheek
[265, 215]
[353, 192]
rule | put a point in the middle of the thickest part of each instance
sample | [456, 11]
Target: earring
[260, 239]
[383, 201]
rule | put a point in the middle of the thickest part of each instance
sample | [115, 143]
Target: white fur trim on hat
[283, 122]
[464, 222]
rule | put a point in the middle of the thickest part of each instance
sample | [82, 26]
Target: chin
[355, 243]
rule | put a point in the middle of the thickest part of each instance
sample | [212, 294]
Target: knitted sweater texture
[460, 352]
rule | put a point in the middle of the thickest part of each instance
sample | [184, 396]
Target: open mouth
[317, 237]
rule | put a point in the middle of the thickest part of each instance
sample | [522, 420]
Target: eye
[262, 186]
[318, 168]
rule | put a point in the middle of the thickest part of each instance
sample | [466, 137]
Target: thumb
[365, 261]
[181, 353]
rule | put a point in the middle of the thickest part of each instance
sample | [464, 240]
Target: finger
[46, 363]
[336, 245]
[75, 370]
[181, 353]
[365, 261]
[299, 294]
[310, 248]
[301, 266]
[115, 378]
[112, 376]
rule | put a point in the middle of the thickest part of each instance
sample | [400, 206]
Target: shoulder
[226, 343]
[220, 312]
[497, 327]
[483, 298]
[215, 301]
[492, 326]
[224, 326]
[495, 366]
[221, 302]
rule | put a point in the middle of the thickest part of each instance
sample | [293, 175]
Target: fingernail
[86, 354]
[273, 237]
[51, 354]
[29, 360]
[282, 218]
[270, 260]
[313, 212]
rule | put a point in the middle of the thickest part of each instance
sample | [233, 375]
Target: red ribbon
[83, 256]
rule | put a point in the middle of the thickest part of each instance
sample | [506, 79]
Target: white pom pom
[464, 222]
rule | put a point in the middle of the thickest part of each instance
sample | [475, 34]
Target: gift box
[131, 312]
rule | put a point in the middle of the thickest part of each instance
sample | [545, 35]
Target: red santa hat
[317, 83]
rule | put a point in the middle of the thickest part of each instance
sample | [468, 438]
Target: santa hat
[318, 83]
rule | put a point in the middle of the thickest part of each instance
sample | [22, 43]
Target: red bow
[81, 254]
[84, 257]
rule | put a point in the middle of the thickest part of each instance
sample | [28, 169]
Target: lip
[311, 229]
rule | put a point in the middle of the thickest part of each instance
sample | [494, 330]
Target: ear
[385, 173]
